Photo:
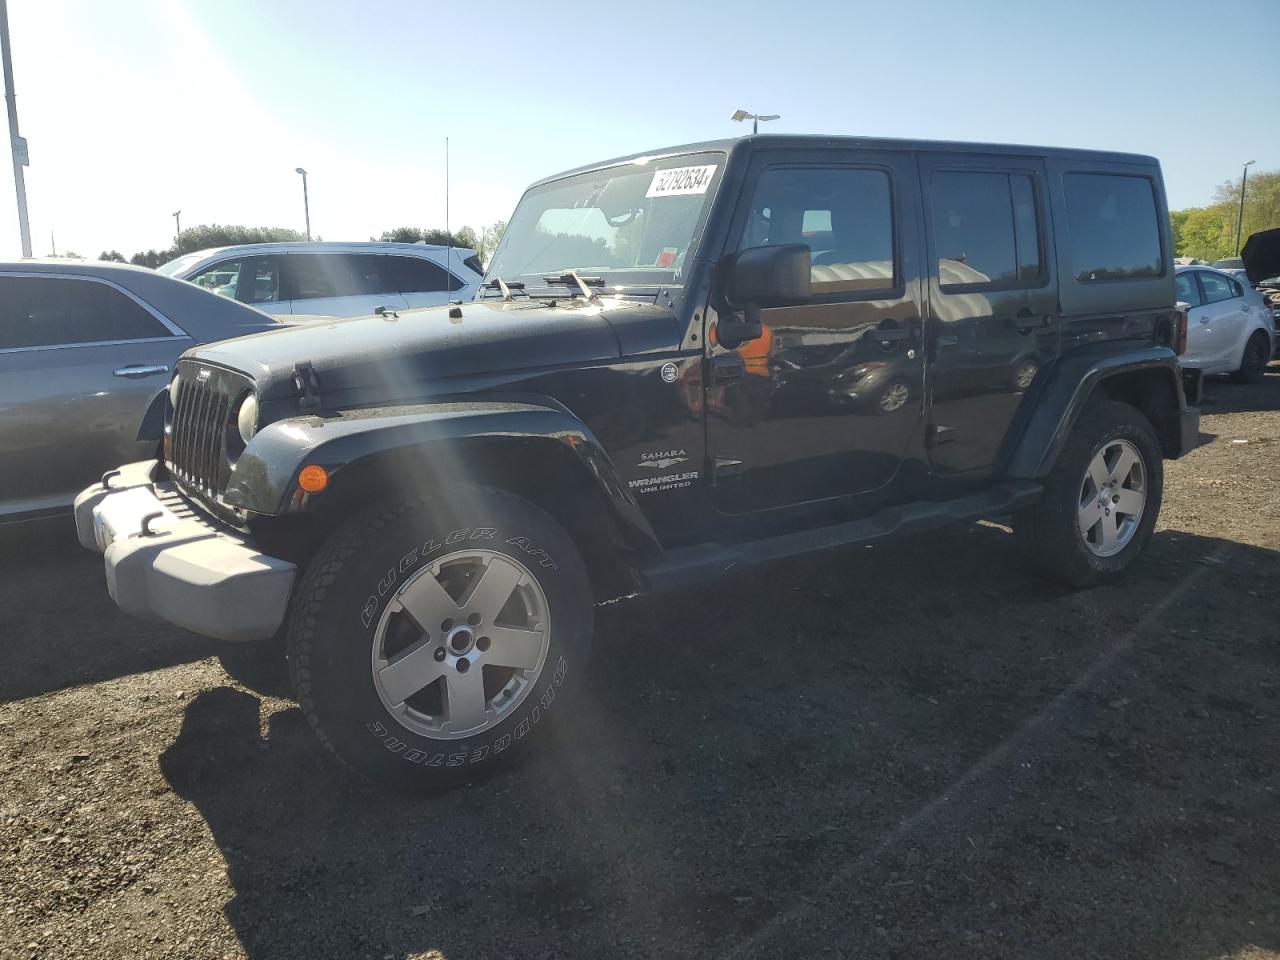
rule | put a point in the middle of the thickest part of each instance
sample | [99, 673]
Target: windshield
[181, 263]
[630, 225]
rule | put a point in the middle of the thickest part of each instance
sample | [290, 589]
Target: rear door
[80, 361]
[339, 284]
[1219, 323]
[994, 316]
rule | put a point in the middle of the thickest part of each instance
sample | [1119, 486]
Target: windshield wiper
[584, 284]
[497, 283]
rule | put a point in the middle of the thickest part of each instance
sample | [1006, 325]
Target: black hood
[408, 354]
[1261, 255]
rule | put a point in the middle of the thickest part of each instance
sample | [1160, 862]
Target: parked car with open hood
[333, 279]
[430, 503]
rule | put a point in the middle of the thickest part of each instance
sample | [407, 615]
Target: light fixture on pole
[177, 230]
[1244, 178]
[755, 118]
[306, 204]
[17, 143]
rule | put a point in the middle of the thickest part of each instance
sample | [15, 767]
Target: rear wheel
[1253, 362]
[433, 638]
[1102, 499]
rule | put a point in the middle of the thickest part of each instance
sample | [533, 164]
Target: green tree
[466, 237]
[207, 235]
[489, 238]
[112, 256]
[1210, 232]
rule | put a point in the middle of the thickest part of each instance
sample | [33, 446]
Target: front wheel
[1253, 362]
[433, 638]
[1101, 502]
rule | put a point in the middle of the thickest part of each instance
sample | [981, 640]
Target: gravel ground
[909, 750]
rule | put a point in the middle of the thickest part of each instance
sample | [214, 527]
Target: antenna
[448, 257]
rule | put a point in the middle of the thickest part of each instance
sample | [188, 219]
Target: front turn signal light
[313, 478]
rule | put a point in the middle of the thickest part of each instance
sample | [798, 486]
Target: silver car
[86, 350]
[333, 279]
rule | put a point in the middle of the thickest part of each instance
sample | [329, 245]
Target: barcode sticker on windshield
[681, 181]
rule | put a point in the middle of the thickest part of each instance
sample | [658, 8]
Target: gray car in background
[86, 352]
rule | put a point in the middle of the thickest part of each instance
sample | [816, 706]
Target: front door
[825, 402]
[994, 322]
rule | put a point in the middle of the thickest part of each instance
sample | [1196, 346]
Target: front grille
[200, 423]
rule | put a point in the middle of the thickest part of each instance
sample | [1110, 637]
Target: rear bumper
[184, 569]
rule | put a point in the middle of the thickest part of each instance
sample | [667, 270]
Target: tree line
[1209, 233]
[209, 235]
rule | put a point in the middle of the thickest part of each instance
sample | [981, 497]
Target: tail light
[1180, 330]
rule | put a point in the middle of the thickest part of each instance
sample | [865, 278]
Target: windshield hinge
[304, 378]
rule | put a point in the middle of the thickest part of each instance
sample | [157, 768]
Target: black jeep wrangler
[679, 364]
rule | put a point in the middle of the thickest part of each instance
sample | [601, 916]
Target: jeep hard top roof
[811, 141]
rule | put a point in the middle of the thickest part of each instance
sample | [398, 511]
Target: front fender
[264, 478]
[1072, 382]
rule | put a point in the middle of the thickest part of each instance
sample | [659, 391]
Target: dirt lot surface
[911, 750]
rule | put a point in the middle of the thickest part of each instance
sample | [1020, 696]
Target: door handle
[137, 371]
[1027, 324]
[888, 335]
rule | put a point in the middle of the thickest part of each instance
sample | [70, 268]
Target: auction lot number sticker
[681, 181]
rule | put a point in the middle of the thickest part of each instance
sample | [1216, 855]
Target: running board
[690, 565]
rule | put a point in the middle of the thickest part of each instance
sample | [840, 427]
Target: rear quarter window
[1115, 230]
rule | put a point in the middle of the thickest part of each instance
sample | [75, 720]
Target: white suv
[333, 279]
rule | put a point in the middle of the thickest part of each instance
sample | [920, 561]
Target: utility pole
[17, 145]
[177, 230]
[306, 203]
[1244, 178]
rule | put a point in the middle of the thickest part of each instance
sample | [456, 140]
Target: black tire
[345, 596]
[1254, 359]
[1049, 531]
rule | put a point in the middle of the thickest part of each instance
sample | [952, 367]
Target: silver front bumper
[185, 569]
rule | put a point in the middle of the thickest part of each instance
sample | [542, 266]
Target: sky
[136, 108]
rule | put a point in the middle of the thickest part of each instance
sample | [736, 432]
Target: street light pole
[1244, 178]
[306, 204]
[17, 145]
[755, 118]
[177, 230]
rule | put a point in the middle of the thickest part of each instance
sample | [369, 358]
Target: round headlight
[247, 418]
[173, 393]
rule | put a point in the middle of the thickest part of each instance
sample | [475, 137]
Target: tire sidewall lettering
[475, 754]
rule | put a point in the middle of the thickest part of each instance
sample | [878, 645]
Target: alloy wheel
[1113, 495]
[461, 644]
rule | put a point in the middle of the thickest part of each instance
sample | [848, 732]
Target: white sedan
[1229, 329]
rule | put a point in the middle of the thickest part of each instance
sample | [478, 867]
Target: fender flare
[264, 478]
[1073, 381]
[152, 425]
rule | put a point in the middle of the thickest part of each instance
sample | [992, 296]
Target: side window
[844, 215]
[56, 311]
[416, 275]
[1187, 291]
[1216, 287]
[221, 278]
[1115, 234]
[985, 229]
[314, 276]
[1236, 289]
[258, 280]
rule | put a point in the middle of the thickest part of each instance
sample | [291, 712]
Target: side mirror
[776, 276]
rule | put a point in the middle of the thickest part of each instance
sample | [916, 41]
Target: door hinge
[304, 378]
